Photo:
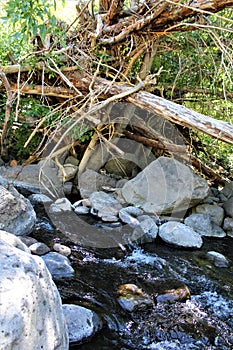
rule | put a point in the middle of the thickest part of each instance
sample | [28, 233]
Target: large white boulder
[31, 315]
[165, 186]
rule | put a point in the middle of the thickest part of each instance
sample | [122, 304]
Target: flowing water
[203, 322]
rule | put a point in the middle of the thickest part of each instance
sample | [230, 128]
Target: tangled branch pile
[108, 58]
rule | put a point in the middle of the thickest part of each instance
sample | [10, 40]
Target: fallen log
[169, 110]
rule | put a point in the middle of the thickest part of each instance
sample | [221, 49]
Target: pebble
[62, 249]
[39, 248]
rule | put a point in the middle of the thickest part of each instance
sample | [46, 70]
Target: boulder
[17, 215]
[90, 181]
[202, 223]
[58, 265]
[82, 323]
[122, 167]
[228, 226]
[14, 241]
[104, 204]
[214, 211]
[227, 191]
[31, 315]
[228, 207]
[180, 235]
[164, 186]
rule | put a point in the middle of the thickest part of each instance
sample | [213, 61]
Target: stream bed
[205, 321]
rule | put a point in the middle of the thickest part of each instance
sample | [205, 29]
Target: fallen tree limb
[171, 111]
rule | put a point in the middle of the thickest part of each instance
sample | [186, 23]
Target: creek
[203, 322]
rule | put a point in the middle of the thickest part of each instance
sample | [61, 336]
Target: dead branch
[10, 99]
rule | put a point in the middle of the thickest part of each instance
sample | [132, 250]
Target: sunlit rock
[58, 265]
[180, 235]
[31, 314]
[164, 186]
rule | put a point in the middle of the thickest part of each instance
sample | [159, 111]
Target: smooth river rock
[164, 186]
[82, 323]
[180, 235]
[202, 223]
[31, 315]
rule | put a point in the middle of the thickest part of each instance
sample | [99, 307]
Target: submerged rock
[31, 314]
[165, 185]
[180, 235]
[132, 298]
[82, 323]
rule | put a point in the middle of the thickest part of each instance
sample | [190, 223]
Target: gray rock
[228, 226]
[219, 259]
[17, 215]
[228, 207]
[58, 265]
[82, 209]
[214, 211]
[23, 177]
[35, 178]
[121, 167]
[60, 205]
[13, 240]
[109, 218]
[39, 248]
[164, 186]
[39, 198]
[31, 314]
[200, 223]
[82, 323]
[62, 249]
[227, 191]
[72, 160]
[90, 181]
[146, 231]
[180, 235]
[105, 204]
[217, 231]
[28, 240]
[128, 215]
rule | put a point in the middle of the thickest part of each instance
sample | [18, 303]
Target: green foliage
[29, 18]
